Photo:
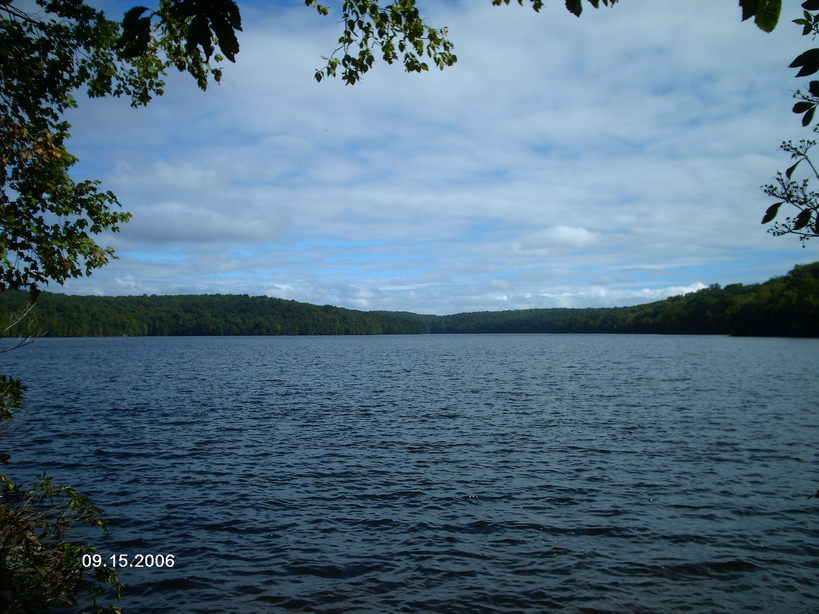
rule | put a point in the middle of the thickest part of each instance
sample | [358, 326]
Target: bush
[39, 567]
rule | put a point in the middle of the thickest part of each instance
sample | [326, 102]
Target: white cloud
[601, 296]
[558, 237]
[168, 222]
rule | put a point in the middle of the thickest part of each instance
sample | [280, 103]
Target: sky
[608, 160]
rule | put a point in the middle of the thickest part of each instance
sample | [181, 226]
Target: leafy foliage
[185, 35]
[11, 389]
[399, 33]
[807, 63]
[765, 12]
[39, 566]
[397, 30]
[785, 190]
[11, 398]
[48, 219]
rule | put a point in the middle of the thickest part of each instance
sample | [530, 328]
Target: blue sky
[607, 160]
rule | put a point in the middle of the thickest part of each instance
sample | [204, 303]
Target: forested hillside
[61, 315]
[783, 306]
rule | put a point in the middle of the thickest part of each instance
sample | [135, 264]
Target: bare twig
[14, 320]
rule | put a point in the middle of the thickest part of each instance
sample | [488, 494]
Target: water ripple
[488, 474]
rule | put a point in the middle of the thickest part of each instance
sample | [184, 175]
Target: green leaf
[136, 33]
[802, 219]
[801, 107]
[226, 37]
[748, 8]
[767, 14]
[811, 5]
[225, 20]
[808, 61]
[790, 170]
[132, 16]
[199, 36]
[814, 88]
[808, 117]
[575, 7]
[770, 212]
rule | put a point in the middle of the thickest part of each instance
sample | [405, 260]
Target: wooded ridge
[782, 306]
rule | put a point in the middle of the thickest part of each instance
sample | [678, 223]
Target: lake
[438, 473]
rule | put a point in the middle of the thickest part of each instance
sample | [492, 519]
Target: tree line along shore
[783, 306]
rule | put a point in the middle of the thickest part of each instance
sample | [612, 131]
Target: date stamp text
[128, 560]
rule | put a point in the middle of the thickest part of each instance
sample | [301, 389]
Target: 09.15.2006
[126, 560]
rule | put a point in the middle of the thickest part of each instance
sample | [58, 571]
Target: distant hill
[783, 306]
[62, 315]
[786, 306]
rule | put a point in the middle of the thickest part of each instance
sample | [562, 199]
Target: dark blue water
[518, 473]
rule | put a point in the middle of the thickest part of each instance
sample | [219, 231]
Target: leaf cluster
[765, 12]
[40, 567]
[11, 389]
[40, 564]
[396, 30]
[398, 33]
[47, 217]
[807, 63]
[185, 35]
[11, 398]
[786, 190]
[48, 220]
[575, 7]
